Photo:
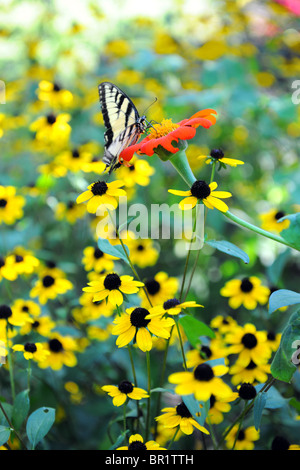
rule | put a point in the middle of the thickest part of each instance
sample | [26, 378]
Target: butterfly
[123, 123]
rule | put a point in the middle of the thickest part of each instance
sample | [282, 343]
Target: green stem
[135, 383]
[11, 425]
[28, 374]
[10, 366]
[124, 417]
[255, 229]
[149, 398]
[180, 163]
[173, 438]
[181, 345]
[240, 424]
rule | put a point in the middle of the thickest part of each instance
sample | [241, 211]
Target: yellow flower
[75, 160]
[247, 292]
[62, 352]
[143, 252]
[249, 344]
[54, 95]
[43, 325]
[101, 193]
[245, 438]
[123, 390]
[218, 406]
[11, 205]
[7, 270]
[23, 260]
[251, 373]
[112, 286]
[134, 324]
[70, 211]
[202, 382]
[203, 192]
[94, 258]
[217, 155]
[52, 130]
[138, 172]
[91, 310]
[33, 351]
[271, 221]
[159, 289]
[180, 416]
[136, 443]
[49, 286]
[172, 307]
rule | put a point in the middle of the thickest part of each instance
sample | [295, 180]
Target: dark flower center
[2, 262]
[205, 352]
[137, 446]
[25, 308]
[246, 285]
[249, 341]
[137, 317]
[56, 87]
[30, 347]
[247, 391]
[171, 303]
[241, 435]
[125, 387]
[217, 153]
[98, 253]
[55, 345]
[48, 281]
[152, 286]
[271, 336]
[3, 202]
[35, 324]
[50, 264]
[19, 258]
[99, 188]
[5, 312]
[280, 443]
[75, 153]
[131, 168]
[51, 119]
[212, 401]
[200, 189]
[112, 282]
[140, 247]
[183, 411]
[251, 365]
[203, 373]
[70, 204]
[279, 214]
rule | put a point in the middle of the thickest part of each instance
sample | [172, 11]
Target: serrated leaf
[4, 434]
[39, 424]
[194, 329]
[283, 298]
[229, 248]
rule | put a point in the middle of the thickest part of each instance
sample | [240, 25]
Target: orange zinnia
[166, 133]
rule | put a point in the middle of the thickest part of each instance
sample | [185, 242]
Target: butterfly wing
[121, 119]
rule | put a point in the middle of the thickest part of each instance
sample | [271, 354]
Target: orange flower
[162, 136]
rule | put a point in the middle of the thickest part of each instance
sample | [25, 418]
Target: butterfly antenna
[154, 101]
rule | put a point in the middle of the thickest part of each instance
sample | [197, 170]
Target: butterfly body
[123, 123]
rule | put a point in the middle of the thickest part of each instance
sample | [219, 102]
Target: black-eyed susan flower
[52, 130]
[101, 193]
[95, 259]
[272, 222]
[137, 444]
[139, 172]
[223, 324]
[111, 286]
[218, 406]
[202, 382]
[247, 391]
[172, 307]
[201, 191]
[249, 344]
[91, 310]
[251, 373]
[62, 351]
[133, 324]
[248, 292]
[124, 390]
[159, 288]
[242, 438]
[14, 317]
[43, 325]
[49, 286]
[11, 205]
[273, 339]
[217, 156]
[143, 252]
[54, 94]
[23, 260]
[35, 351]
[180, 415]
[74, 159]
[98, 333]
[7, 270]
[215, 349]
[69, 211]
[282, 443]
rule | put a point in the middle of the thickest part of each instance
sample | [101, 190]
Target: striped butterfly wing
[121, 119]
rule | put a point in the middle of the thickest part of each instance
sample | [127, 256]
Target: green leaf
[194, 408]
[39, 424]
[4, 434]
[283, 367]
[194, 328]
[275, 270]
[283, 298]
[292, 233]
[119, 440]
[229, 248]
[259, 405]
[20, 408]
[113, 250]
